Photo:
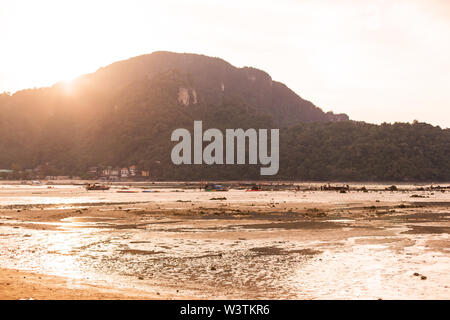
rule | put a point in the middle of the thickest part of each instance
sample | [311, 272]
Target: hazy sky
[374, 60]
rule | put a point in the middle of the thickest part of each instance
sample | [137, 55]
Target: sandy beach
[64, 242]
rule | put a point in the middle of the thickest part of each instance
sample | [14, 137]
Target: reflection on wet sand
[281, 244]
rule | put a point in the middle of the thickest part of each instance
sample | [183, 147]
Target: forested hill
[123, 115]
[359, 151]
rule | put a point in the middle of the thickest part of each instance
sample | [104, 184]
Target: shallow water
[68, 194]
[233, 258]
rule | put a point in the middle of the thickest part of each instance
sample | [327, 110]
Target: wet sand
[16, 284]
[178, 244]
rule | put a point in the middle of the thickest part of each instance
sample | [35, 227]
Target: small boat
[329, 187]
[96, 186]
[254, 188]
[127, 191]
[215, 187]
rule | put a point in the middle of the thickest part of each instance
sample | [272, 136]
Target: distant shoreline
[189, 182]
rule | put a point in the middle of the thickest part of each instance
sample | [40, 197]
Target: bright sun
[67, 87]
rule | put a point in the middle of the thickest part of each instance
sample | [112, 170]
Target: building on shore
[124, 173]
[130, 172]
[5, 173]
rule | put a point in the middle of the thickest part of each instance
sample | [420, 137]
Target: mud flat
[16, 284]
[176, 244]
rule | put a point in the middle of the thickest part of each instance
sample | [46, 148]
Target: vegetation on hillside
[124, 115]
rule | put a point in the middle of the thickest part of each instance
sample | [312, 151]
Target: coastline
[226, 245]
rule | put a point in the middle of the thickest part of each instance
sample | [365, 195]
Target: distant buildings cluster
[114, 173]
[108, 173]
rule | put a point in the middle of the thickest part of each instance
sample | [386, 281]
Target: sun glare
[323, 50]
[68, 87]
